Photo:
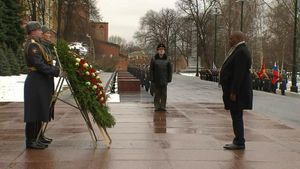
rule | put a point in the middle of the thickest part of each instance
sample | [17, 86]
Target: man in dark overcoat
[160, 75]
[236, 82]
[38, 86]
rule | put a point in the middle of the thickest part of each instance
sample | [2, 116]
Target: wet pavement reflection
[186, 136]
[159, 121]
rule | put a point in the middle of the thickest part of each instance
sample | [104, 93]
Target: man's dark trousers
[160, 97]
[238, 126]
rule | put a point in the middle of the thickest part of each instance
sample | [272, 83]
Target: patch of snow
[188, 74]
[113, 98]
[12, 88]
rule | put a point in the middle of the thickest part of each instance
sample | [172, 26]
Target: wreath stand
[106, 138]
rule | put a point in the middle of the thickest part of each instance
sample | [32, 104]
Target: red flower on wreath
[92, 79]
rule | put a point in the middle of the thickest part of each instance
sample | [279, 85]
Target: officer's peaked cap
[32, 26]
[161, 45]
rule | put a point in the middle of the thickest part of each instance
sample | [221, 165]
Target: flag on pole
[262, 71]
[275, 74]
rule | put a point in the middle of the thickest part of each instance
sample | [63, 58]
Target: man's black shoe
[162, 109]
[234, 147]
[35, 145]
[157, 110]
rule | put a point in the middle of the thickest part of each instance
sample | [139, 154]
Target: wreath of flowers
[92, 79]
[86, 85]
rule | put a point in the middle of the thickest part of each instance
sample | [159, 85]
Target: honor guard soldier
[160, 76]
[38, 86]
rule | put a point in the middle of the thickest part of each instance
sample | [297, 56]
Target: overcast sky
[123, 16]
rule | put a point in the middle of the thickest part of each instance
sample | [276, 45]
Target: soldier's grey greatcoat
[49, 49]
[38, 86]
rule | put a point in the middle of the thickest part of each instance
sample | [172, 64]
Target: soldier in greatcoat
[160, 76]
[38, 87]
[48, 44]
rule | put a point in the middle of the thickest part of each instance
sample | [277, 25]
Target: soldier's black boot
[44, 140]
[47, 138]
[30, 137]
[34, 145]
[42, 143]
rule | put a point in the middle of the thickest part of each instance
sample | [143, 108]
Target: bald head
[236, 37]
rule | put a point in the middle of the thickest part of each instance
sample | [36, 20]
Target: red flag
[262, 71]
[275, 74]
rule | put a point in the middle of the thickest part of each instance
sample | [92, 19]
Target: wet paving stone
[189, 135]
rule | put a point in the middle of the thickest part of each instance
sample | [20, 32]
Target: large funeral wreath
[86, 84]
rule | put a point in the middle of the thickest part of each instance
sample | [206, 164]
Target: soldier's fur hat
[45, 29]
[32, 26]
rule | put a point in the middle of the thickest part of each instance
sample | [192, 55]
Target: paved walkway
[190, 135]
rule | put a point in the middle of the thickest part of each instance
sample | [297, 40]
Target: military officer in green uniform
[160, 75]
[38, 86]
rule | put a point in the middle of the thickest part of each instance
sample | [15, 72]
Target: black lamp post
[215, 13]
[198, 52]
[242, 12]
[294, 87]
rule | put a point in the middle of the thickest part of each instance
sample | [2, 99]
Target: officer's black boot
[45, 140]
[30, 139]
[38, 127]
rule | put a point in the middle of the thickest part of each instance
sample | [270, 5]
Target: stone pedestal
[127, 82]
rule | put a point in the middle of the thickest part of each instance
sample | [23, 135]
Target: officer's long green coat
[38, 87]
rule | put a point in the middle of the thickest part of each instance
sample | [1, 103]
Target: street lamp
[197, 66]
[294, 87]
[215, 13]
[242, 12]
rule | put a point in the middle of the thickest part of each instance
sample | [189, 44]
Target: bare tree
[94, 11]
[278, 46]
[158, 27]
[119, 41]
[199, 11]
[184, 38]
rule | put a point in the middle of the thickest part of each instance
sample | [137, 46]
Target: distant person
[37, 87]
[283, 82]
[236, 82]
[160, 75]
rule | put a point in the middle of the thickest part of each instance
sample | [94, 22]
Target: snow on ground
[113, 98]
[12, 88]
[288, 85]
[188, 74]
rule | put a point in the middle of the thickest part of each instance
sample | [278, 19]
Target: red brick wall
[123, 64]
[99, 31]
[106, 49]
